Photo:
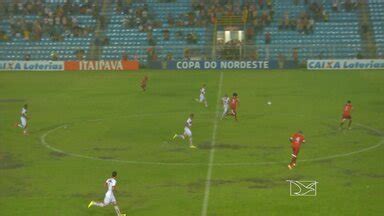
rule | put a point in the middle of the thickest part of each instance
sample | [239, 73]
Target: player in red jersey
[234, 103]
[346, 115]
[144, 83]
[296, 140]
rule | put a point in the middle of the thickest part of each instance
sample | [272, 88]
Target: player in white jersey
[109, 198]
[23, 119]
[225, 101]
[187, 131]
[202, 98]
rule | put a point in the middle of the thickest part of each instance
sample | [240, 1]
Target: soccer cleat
[91, 204]
[174, 137]
[289, 166]
[192, 146]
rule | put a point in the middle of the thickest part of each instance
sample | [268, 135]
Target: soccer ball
[269, 103]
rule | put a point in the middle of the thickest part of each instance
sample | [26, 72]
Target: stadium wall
[68, 65]
[346, 64]
[221, 65]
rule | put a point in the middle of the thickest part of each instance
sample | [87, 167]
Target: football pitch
[84, 125]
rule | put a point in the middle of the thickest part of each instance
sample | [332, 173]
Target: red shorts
[295, 150]
[346, 116]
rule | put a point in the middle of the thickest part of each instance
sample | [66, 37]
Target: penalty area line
[204, 209]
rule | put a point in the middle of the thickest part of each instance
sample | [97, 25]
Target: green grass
[108, 117]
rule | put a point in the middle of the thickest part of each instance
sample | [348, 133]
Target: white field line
[212, 151]
[341, 155]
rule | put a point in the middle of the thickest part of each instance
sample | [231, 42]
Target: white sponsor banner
[32, 65]
[345, 64]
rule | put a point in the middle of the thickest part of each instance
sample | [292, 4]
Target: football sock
[117, 210]
[99, 204]
[181, 136]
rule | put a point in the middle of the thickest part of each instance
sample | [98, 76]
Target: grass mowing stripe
[212, 151]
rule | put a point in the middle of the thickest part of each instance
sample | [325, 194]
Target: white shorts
[187, 131]
[202, 98]
[23, 121]
[109, 198]
[226, 107]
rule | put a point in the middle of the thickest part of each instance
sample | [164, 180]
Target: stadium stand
[182, 29]
[336, 38]
[376, 8]
[46, 31]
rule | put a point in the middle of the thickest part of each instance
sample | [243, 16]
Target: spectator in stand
[124, 56]
[271, 13]
[281, 60]
[335, 5]
[293, 24]
[253, 13]
[250, 33]
[187, 54]
[348, 5]
[105, 41]
[171, 21]
[295, 56]
[255, 55]
[151, 40]
[359, 55]
[54, 56]
[166, 34]
[179, 35]
[169, 56]
[311, 23]
[286, 20]
[265, 19]
[321, 55]
[3, 36]
[27, 57]
[80, 54]
[280, 24]
[245, 15]
[256, 25]
[261, 4]
[325, 16]
[268, 38]
[191, 38]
